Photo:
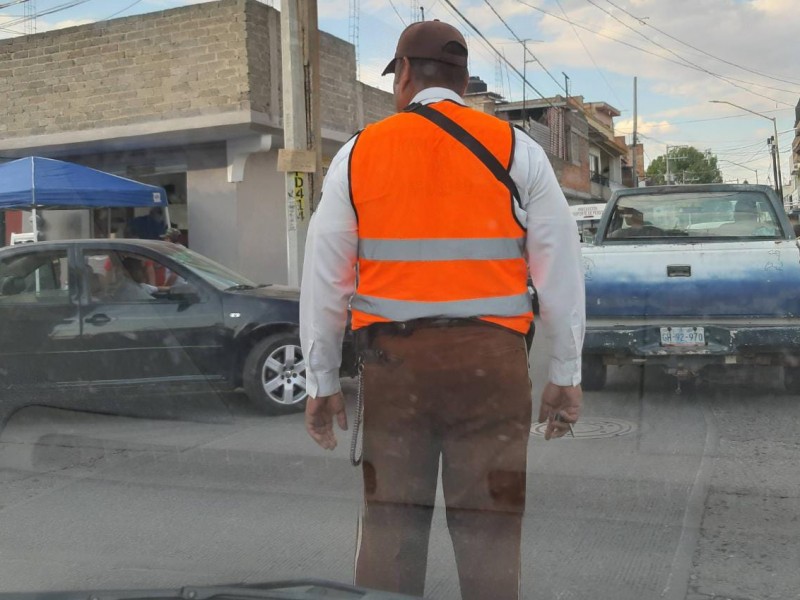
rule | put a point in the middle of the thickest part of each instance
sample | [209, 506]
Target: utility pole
[778, 161]
[566, 84]
[635, 121]
[775, 159]
[300, 158]
[525, 81]
[666, 158]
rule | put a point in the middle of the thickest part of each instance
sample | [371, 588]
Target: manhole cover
[591, 428]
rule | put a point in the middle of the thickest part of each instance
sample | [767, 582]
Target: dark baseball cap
[430, 40]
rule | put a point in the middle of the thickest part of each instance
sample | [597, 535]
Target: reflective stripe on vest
[441, 249]
[405, 310]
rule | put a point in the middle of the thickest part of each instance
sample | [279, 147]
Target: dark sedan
[128, 313]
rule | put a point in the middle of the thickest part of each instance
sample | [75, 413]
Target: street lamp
[778, 178]
[738, 165]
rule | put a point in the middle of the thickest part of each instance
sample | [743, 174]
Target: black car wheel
[593, 373]
[275, 374]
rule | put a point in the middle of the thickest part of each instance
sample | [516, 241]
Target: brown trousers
[460, 393]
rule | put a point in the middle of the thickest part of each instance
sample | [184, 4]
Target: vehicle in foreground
[130, 313]
[300, 589]
[689, 277]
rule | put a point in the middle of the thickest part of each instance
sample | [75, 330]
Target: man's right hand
[566, 401]
[319, 418]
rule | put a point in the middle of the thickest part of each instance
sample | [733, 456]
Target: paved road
[660, 495]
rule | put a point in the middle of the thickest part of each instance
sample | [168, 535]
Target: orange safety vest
[437, 233]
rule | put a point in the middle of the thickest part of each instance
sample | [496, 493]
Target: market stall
[35, 184]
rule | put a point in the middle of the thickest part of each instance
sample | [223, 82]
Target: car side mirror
[184, 293]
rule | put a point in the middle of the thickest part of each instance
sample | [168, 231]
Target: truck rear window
[725, 215]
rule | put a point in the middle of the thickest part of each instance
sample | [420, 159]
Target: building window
[594, 168]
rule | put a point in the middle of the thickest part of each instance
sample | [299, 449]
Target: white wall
[212, 209]
[241, 225]
[261, 220]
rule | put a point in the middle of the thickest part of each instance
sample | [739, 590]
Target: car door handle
[98, 319]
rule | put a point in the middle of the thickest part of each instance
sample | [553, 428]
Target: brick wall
[129, 70]
[377, 104]
[196, 60]
[263, 57]
[339, 90]
[337, 83]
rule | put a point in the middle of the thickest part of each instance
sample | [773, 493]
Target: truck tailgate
[711, 279]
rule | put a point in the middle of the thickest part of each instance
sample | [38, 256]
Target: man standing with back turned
[441, 208]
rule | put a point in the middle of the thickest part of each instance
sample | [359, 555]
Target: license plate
[683, 336]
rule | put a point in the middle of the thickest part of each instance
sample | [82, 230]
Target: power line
[591, 58]
[50, 11]
[480, 48]
[476, 30]
[687, 62]
[516, 37]
[394, 8]
[671, 123]
[688, 45]
[640, 49]
[131, 5]
[15, 2]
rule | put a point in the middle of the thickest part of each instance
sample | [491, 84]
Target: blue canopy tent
[35, 183]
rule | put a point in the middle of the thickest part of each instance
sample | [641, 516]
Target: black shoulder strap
[471, 143]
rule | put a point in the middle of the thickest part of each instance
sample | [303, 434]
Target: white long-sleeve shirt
[551, 241]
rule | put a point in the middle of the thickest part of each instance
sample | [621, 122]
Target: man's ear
[403, 69]
[464, 89]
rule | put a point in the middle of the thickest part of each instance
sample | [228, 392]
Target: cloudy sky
[684, 53]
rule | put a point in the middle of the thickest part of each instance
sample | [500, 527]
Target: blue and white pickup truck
[687, 277]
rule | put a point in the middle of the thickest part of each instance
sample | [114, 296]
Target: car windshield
[444, 299]
[214, 273]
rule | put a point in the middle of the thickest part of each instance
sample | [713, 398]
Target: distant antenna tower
[30, 16]
[354, 35]
[415, 13]
[498, 76]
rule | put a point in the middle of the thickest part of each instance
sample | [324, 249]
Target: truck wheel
[274, 374]
[593, 373]
[791, 379]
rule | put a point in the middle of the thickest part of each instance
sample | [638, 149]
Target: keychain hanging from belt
[355, 456]
[364, 353]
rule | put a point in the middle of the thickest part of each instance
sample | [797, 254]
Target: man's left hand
[565, 401]
[320, 413]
